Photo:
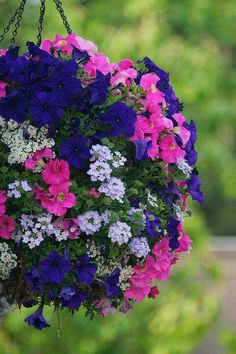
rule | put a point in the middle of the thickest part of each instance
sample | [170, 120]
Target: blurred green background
[195, 41]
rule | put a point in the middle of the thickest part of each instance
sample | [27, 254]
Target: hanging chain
[11, 21]
[63, 16]
[17, 17]
[18, 22]
[40, 25]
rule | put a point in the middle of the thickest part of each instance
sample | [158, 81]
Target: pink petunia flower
[104, 305]
[72, 226]
[30, 163]
[124, 77]
[149, 81]
[154, 102]
[60, 199]
[184, 240]
[125, 64]
[3, 52]
[154, 292]
[3, 86]
[180, 130]
[170, 150]
[100, 62]
[93, 193]
[56, 172]
[7, 226]
[137, 293]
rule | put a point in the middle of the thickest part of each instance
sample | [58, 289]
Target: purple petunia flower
[112, 283]
[45, 109]
[120, 118]
[142, 146]
[173, 232]
[35, 280]
[153, 225]
[75, 151]
[85, 270]
[37, 320]
[13, 106]
[194, 185]
[54, 268]
[99, 88]
[71, 298]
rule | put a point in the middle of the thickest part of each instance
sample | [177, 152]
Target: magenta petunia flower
[7, 226]
[56, 172]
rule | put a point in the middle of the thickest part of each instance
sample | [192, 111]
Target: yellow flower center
[172, 146]
[61, 197]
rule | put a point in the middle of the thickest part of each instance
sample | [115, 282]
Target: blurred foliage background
[194, 40]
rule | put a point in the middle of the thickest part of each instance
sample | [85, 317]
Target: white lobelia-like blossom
[119, 232]
[8, 261]
[184, 166]
[23, 140]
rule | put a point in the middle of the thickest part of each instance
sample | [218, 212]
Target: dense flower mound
[97, 162]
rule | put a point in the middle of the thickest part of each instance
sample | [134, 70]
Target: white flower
[90, 222]
[114, 188]
[118, 160]
[119, 232]
[8, 261]
[100, 153]
[139, 246]
[99, 171]
[184, 166]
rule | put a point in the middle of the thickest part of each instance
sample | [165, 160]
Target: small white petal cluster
[139, 212]
[23, 140]
[125, 274]
[14, 189]
[103, 162]
[8, 261]
[118, 160]
[184, 166]
[100, 153]
[139, 247]
[152, 200]
[90, 222]
[114, 188]
[34, 230]
[99, 171]
[178, 212]
[119, 232]
[106, 216]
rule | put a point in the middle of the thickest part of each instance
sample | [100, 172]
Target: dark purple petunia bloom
[37, 320]
[45, 109]
[170, 193]
[14, 105]
[173, 232]
[194, 186]
[75, 151]
[191, 154]
[120, 118]
[54, 268]
[153, 225]
[71, 298]
[85, 270]
[99, 88]
[35, 280]
[80, 56]
[142, 146]
[111, 283]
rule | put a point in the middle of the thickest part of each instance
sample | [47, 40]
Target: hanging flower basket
[96, 165]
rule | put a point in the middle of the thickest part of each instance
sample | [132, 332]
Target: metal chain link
[10, 23]
[40, 24]
[63, 16]
[17, 17]
[18, 22]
